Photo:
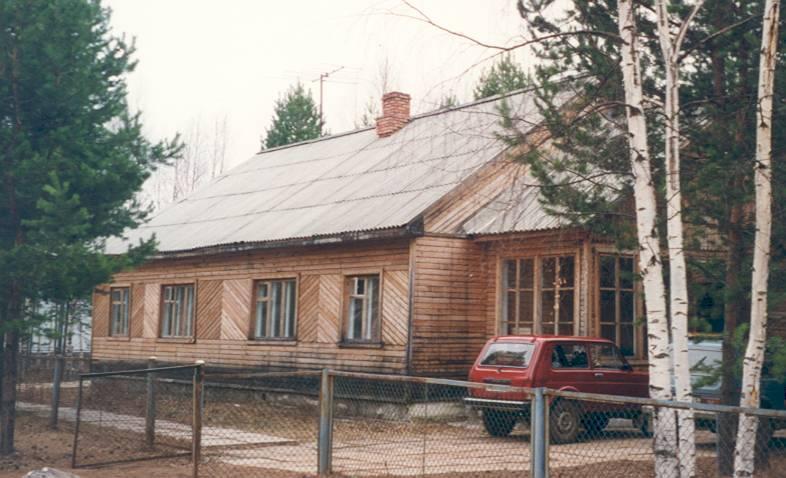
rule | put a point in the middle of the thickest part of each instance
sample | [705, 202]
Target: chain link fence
[260, 424]
[47, 382]
[408, 426]
[612, 436]
[136, 415]
[296, 424]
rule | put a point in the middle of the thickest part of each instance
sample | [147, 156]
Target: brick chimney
[395, 113]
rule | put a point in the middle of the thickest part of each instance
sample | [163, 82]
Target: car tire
[564, 422]
[643, 422]
[594, 423]
[498, 423]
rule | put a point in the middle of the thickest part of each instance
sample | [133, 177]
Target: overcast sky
[202, 60]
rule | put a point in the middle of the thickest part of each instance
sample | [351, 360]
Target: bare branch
[422, 17]
[720, 32]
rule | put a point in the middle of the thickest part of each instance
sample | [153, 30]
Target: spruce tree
[503, 76]
[73, 158]
[296, 118]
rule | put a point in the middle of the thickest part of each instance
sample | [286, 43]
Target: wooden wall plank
[152, 310]
[330, 292]
[236, 310]
[101, 304]
[209, 304]
[137, 319]
[395, 307]
[308, 308]
[449, 323]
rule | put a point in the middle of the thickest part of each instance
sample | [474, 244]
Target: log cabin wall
[448, 323]
[222, 323]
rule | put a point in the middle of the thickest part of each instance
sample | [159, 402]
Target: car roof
[548, 338]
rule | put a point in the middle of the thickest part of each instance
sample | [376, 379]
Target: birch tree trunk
[665, 440]
[678, 288]
[745, 450]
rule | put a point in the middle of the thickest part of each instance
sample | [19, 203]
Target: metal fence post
[325, 443]
[56, 381]
[539, 438]
[150, 408]
[196, 425]
[76, 425]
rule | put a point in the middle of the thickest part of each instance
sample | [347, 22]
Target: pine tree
[73, 158]
[503, 76]
[295, 119]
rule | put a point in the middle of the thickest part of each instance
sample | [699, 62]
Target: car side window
[606, 356]
[569, 356]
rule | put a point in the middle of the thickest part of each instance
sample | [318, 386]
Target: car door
[569, 367]
[612, 374]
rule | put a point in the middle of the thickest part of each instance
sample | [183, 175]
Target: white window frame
[280, 321]
[370, 312]
[119, 311]
[177, 311]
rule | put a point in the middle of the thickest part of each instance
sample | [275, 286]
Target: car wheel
[564, 422]
[498, 423]
[594, 423]
[643, 423]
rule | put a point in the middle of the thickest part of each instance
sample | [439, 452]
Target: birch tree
[666, 463]
[678, 287]
[744, 452]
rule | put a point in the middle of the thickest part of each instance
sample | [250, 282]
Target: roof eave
[413, 229]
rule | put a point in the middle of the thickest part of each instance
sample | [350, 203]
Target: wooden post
[150, 408]
[56, 380]
[325, 443]
[196, 425]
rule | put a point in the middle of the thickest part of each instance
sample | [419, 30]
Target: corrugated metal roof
[337, 184]
[515, 209]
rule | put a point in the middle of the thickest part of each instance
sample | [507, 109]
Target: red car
[579, 364]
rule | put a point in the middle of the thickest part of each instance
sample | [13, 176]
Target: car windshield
[508, 354]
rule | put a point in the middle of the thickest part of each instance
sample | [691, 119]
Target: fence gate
[134, 415]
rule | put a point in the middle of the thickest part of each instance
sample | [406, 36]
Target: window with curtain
[275, 309]
[177, 310]
[362, 309]
[119, 312]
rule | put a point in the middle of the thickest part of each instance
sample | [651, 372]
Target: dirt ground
[38, 447]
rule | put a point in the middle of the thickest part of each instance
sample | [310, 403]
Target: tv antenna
[321, 79]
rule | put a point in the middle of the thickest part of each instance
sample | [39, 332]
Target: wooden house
[398, 248]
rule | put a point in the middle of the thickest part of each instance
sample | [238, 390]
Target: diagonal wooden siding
[101, 311]
[152, 309]
[330, 290]
[236, 310]
[395, 304]
[137, 319]
[209, 304]
[308, 308]
[320, 271]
